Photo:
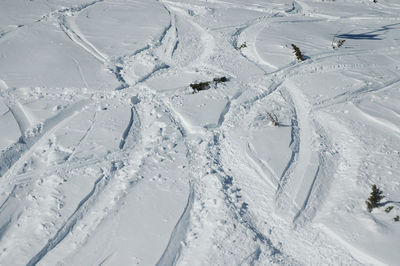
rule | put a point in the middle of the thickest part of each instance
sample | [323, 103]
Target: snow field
[108, 157]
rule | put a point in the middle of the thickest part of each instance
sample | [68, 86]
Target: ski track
[252, 29]
[77, 38]
[262, 167]
[240, 213]
[128, 128]
[298, 160]
[79, 212]
[17, 153]
[92, 122]
[133, 128]
[356, 94]
[78, 66]
[134, 125]
[317, 186]
[208, 41]
[303, 154]
[172, 254]
[111, 186]
[71, 221]
[280, 76]
[303, 124]
[173, 250]
[72, 9]
[381, 122]
[239, 209]
[107, 186]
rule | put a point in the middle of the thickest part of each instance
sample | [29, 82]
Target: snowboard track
[167, 44]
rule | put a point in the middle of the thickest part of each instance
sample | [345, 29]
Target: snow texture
[108, 157]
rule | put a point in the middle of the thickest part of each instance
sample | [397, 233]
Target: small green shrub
[201, 86]
[338, 44]
[243, 45]
[388, 209]
[221, 79]
[396, 219]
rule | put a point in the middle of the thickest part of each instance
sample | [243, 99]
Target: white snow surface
[108, 157]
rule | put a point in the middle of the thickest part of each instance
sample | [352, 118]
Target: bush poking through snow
[243, 45]
[221, 79]
[298, 53]
[201, 86]
[273, 119]
[374, 198]
[338, 44]
[388, 209]
[396, 219]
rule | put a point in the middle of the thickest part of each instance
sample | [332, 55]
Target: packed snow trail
[136, 168]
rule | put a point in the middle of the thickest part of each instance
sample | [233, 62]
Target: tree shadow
[284, 125]
[389, 202]
[371, 35]
[359, 36]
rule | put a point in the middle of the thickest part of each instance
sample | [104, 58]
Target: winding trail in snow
[214, 200]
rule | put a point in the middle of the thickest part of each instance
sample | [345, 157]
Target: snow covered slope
[108, 157]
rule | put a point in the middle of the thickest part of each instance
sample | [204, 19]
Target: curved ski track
[306, 206]
[204, 148]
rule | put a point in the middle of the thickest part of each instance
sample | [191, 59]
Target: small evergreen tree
[374, 198]
[298, 53]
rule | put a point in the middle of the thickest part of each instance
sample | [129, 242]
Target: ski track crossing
[240, 208]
